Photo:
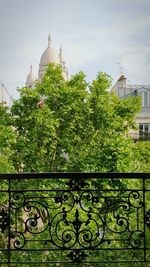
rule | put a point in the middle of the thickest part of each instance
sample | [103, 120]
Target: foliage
[73, 126]
[7, 138]
[142, 156]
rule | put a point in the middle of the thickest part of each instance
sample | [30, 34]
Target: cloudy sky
[96, 35]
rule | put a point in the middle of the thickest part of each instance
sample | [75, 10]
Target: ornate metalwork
[76, 184]
[147, 218]
[77, 255]
[4, 220]
[76, 217]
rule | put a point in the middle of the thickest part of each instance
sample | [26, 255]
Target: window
[144, 99]
[144, 132]
[144, 128]
[141, 128]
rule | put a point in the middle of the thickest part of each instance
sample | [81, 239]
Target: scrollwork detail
[136, 238]
[92, 200]
[134, 199]
[34, 222]
[17, 200]
[117, 209]
[77, 229]
[17, 240]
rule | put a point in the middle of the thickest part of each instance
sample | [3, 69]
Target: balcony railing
[141, 136]
[73, 218]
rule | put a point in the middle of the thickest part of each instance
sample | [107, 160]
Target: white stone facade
[122, 89]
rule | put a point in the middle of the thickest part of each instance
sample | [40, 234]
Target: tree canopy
[7, 138]
[73, 125]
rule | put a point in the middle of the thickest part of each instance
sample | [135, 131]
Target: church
[50, 55]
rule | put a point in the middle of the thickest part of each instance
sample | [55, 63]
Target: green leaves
[141, 152]
[85, 122]
[7, 139]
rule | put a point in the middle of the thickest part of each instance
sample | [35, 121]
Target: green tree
[7, 138]
[73, 126]
[141, 152]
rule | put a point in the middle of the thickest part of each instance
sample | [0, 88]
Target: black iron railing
[141, 137]
[73, 218]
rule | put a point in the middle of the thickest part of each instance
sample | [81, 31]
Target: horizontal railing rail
[74, 218]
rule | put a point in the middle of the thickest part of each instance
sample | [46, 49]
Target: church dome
[30, 78]
[50, 55]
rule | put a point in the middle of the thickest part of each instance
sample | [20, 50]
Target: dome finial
[49, 39]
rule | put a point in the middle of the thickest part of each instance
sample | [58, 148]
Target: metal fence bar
[9, 223]
[85, 175]
[144, 212]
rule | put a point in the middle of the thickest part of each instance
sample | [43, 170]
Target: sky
[96, 35]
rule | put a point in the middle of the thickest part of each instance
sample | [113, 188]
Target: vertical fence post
[144, 203]
[9, 224]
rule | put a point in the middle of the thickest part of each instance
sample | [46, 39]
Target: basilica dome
[50, 55]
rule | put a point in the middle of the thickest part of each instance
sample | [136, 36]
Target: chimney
[122, 81]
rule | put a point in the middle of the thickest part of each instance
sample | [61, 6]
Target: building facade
[122, 89]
